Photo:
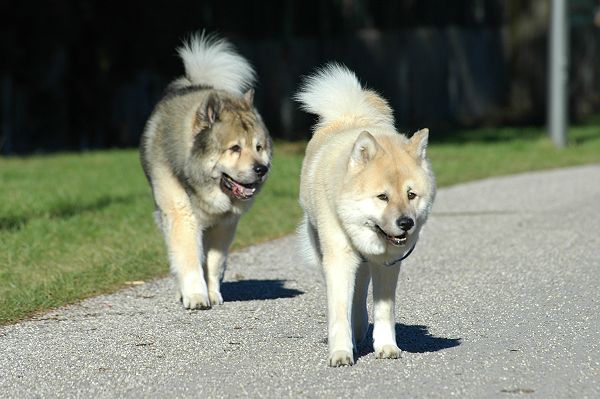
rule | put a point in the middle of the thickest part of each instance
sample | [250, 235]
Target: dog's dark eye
[259, 148]
[411, 195]
[235, 148]
[383, 197]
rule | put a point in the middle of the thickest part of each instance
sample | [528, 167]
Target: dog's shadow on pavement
[411, 338]
[252, 290]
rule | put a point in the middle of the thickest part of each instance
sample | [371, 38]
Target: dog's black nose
[260, 169]
[405, 223]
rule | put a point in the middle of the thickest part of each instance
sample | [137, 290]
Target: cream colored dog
[366, 191]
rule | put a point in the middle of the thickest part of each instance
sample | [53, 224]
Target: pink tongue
[237, 189]
[241, 191]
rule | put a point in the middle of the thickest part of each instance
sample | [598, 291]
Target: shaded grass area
[76, 225]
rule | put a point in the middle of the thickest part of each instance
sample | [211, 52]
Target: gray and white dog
[206, 153]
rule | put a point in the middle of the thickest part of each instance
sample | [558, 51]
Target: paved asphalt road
[501, 299]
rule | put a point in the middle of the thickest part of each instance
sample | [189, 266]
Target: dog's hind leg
[385, 280]
[308, 242]
[360, 316]
[217, 241]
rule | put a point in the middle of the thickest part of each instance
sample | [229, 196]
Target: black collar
[395, 261]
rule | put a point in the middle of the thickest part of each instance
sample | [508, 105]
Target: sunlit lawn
[76, 225]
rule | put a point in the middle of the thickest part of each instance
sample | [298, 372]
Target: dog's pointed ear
[249, 97]
[212, 109]
[364, 150]
[208, 112]
[418, 144]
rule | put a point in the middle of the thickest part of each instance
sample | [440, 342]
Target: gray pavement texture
[499, 300]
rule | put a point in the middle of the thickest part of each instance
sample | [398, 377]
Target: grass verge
[76, 225]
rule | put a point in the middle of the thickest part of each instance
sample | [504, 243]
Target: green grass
[471, 155]
[76, 225]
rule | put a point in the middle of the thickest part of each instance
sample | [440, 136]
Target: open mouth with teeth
[394, 240]
[236, 189]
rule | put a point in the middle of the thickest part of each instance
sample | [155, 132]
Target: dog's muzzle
[397, 241]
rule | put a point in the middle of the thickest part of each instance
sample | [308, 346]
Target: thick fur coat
[366, 191]
[206, 154]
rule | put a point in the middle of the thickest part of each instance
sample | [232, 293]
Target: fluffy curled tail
[335, 95]
[211, 61]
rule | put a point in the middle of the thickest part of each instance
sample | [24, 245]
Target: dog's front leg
[217, 241]
[384, 280]
[340, 277]
[183, 238]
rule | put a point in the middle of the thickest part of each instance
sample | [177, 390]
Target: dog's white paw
[341, 358]
[195, 301]
[194, 294]
[215, 298]
[388, 352]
